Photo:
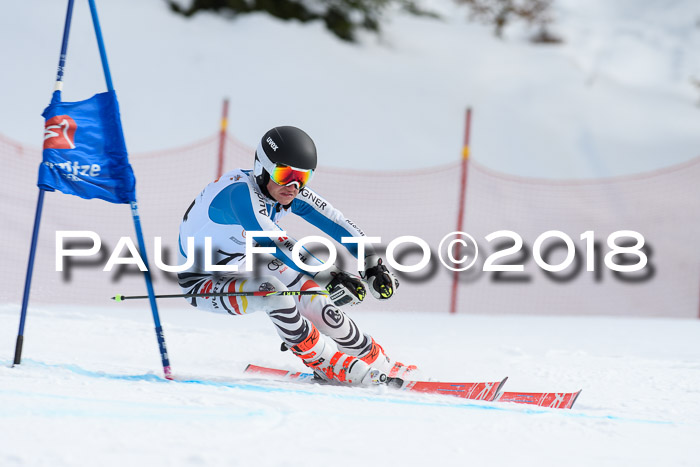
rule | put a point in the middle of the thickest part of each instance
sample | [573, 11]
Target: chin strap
[262, 183]
[279, 207]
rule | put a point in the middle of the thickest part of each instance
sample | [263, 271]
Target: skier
[255, 200]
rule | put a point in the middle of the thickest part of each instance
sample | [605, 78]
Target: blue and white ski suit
[225, 211]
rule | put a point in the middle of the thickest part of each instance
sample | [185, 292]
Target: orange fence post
[222, 138]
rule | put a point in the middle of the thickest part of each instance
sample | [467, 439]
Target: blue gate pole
[40, 201]
[28, 280]
[160, 336]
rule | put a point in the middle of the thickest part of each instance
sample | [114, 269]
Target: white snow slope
[89, 392]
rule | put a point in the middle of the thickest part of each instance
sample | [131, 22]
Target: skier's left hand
[380, 281]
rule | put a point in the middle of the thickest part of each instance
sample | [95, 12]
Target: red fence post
[462, 205]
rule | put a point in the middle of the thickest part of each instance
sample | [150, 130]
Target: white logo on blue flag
[84, 150]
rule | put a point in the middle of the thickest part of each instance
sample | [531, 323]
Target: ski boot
[376, 358]
[333, 366]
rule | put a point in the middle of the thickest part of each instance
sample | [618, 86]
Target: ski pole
[121, 298]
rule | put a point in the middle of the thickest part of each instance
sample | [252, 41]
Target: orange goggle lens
[284, 175]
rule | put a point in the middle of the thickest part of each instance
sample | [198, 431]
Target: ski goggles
[284, 175]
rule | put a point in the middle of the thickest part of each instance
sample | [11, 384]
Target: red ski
[475, 391]
[554, 400]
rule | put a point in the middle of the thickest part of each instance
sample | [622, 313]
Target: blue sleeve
[320, 213]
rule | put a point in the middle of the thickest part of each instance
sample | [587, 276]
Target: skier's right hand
[343, 288]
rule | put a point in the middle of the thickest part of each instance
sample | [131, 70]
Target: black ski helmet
[284, 145]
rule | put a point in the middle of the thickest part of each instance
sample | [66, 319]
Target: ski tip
[499, 389]
[573, 399]
[118, 298]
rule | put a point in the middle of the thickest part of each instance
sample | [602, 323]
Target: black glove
[380, 280]
[344, 288]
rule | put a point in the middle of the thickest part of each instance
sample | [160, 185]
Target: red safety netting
[663, 205]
